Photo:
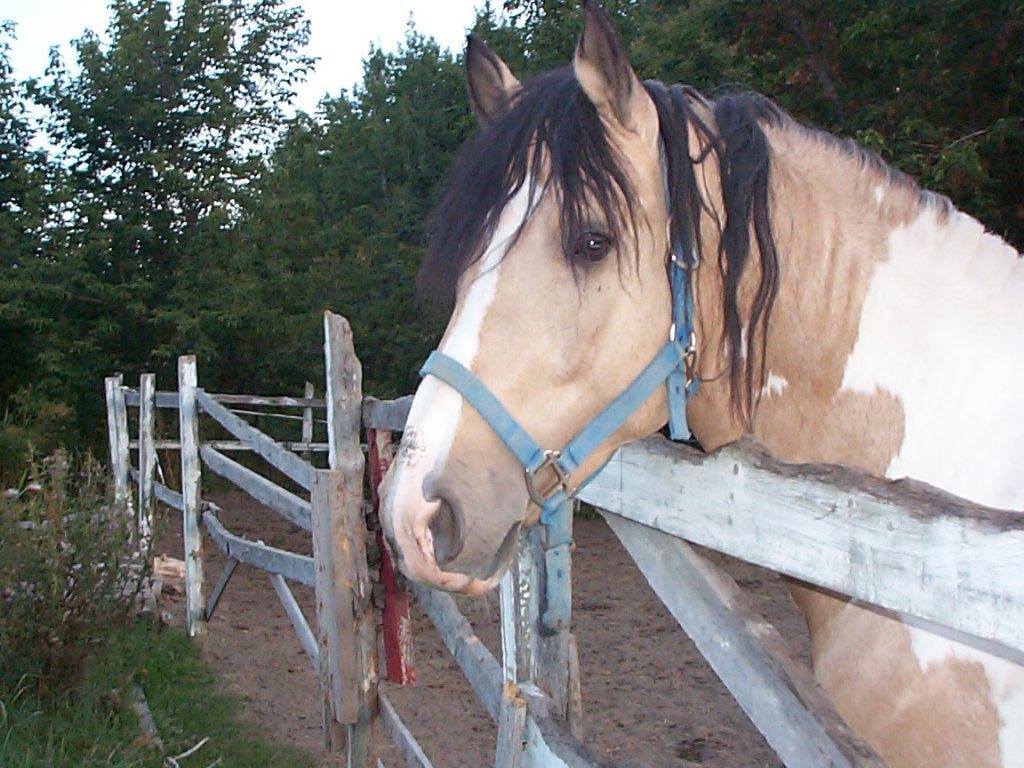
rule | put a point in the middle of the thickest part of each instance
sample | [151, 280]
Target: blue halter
[672, 365]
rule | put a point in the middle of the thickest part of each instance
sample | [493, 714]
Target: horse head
[556, 240]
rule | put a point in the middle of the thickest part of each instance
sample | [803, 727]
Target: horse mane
[741, 148]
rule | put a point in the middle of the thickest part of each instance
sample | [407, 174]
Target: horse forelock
[551, 137]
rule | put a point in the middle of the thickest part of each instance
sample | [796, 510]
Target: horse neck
[897, 339]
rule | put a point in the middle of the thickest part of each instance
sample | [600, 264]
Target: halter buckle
[690, 357]
[550, 460]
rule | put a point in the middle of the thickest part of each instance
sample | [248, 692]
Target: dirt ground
[650, 699]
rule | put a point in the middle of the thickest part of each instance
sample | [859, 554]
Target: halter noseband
[672, 365]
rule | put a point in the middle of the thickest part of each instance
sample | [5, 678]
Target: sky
[341, 32]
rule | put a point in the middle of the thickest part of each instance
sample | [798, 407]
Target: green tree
[23, 172]
[342, 211]
[161, 132]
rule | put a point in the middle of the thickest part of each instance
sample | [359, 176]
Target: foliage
[64, 575]
[159, 135]
[180, 212]
[340, 217]
[93, 726]
[29, 429]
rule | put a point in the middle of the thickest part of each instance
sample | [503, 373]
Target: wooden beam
[220, 586]
[347, 527]
[117, 436]
[386, 414]
[530, 652]
[234, 445]
[284, 460]
[406, 743]
[396, 621]
[298, 620]
[307, 422]
[508, 752]
[293, 566]
[188, 430]
[147, 460]
[347, 637]
[169, 497]
[344, 395]
[778, 693]
[902, 544]
[276, 402]
[170, 400]
[294, 508]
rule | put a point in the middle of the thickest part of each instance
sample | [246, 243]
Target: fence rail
[902, 544]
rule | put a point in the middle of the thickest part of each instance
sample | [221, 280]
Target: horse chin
[418, 560]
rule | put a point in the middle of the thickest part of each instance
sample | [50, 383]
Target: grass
[93, 724]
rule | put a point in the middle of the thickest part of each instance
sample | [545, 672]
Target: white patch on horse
[774, 386]
[1005, 679]
[941, 330]
[879, 194]
[434, 415]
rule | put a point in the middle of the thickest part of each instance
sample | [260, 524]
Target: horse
[834, 311]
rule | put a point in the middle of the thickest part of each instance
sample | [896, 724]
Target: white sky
[341, 32]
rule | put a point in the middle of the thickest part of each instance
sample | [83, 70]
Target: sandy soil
[650, 699]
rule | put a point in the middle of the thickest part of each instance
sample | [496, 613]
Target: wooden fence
[941, 562]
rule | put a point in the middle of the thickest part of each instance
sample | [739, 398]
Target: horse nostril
[446, 530]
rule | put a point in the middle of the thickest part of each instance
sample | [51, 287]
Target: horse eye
[591, 246]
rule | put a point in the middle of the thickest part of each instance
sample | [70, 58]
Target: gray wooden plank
[117, 431]
[147, 460]
[307, 422]
[347, 664]
[235, 445]
[286, 461]
[292, 566]
[188, 432]
[508, 752]
[110, 386]
[406, 743]
[902, 545]
[344, 395]
[386, 414]
[169, 497]
[778, 693]
[220, 586]
[275, 401]
[170, 400]
[292, 507]
[298, 620]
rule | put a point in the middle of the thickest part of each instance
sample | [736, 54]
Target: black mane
[553, 120]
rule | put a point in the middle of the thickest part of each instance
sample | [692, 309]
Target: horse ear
[490, 82]
[603, 71]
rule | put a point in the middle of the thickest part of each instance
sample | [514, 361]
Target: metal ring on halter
[690, 358]
[550, 460]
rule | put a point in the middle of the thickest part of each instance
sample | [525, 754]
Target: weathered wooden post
[396, 622]
[117, 434]
[147, 460]
[532, 655]
[188, 428]
[307, 421]
[347, 638]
